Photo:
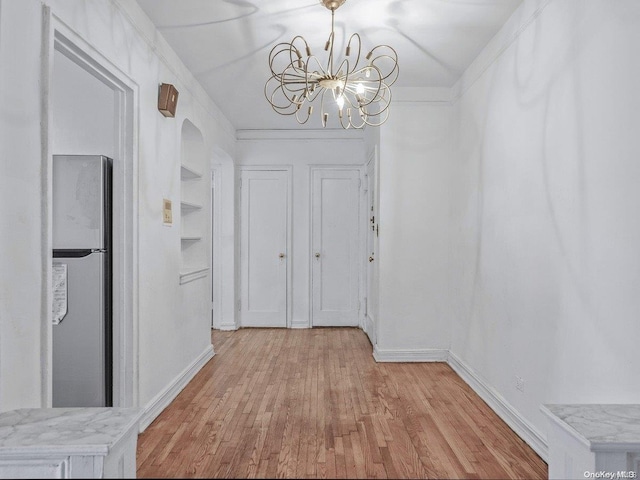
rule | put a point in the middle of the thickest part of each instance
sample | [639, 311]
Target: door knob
[281, 255]
[317, 255]
[371, 259]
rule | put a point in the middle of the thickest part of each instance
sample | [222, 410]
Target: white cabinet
[69, 443]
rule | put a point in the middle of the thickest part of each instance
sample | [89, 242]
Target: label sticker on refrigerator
[59, 292]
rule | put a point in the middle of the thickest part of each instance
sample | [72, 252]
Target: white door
[263, 250]
[335, 242]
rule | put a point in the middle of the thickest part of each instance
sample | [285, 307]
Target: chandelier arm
[285, 47]
[329, 68]
[294, 50]
[272, 59]
[376, 124]
[279, 109]
[306, 45]
[290, 87]
[345, 77]
[360, 125]
[330, 42]
[355, 64]
[309, 112]
[324, 116]
[270, 98]
[383, 114]
[393, 58]
[285, 90]
[342, 124]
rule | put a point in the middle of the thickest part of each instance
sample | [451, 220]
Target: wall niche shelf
[194, 198]
[189, 274]
[184, 205]
[190, 238]
[188, 173]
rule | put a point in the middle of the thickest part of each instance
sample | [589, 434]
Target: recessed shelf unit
[194, 196]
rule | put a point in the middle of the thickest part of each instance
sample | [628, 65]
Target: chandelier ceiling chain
[359, 93]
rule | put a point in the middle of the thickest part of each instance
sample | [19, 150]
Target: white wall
[545, 227]
[168, 340]
[83, 110]
[23, 260]
[301, 151]
[413, 256]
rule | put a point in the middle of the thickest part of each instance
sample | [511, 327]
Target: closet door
[264, 249]
[335, 246]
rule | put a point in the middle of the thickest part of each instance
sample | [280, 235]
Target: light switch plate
[167, 215]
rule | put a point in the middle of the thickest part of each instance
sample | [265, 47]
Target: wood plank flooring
[278, 403]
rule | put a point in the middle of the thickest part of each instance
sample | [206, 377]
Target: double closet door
[328, 264]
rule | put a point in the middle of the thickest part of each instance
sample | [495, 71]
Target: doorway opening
[102, 123]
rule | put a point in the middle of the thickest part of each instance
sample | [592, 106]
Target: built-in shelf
[190, 238]
[189, 205]
[188, 173]
[189, 274]
[194, 205]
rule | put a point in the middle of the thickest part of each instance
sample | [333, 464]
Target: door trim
[369, 317]
[317, 167]
[58, 36]
[289, 234]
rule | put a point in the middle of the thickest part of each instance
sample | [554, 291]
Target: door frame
[288, 236]
[369, 315]
[216, 284]
[59, 37]
[361, 232]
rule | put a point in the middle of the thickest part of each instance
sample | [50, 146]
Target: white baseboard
[227, 327]
[368, 328]
[501, 407]
[171, 391]
[422, 355]
[300, 324]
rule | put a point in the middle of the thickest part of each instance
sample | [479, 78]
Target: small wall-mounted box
[167, 216]
[168, 100]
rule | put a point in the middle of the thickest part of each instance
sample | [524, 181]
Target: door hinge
[239, 305]
[240, 183]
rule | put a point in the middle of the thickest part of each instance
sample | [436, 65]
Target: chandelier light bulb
[298, 81]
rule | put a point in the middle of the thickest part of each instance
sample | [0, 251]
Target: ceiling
[226, 43]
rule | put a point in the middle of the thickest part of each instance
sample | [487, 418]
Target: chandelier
[357, 94]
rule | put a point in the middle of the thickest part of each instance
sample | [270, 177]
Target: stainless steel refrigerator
[82, 267]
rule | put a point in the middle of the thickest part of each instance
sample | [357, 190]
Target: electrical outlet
[520, 383]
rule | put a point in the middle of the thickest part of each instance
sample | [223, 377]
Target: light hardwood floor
[277, 403]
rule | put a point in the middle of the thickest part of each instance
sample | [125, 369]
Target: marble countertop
[601, 426]
[72, 431]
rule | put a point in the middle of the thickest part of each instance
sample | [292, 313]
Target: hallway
[314, 404]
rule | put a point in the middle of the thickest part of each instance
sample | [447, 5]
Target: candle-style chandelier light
[357, 94]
